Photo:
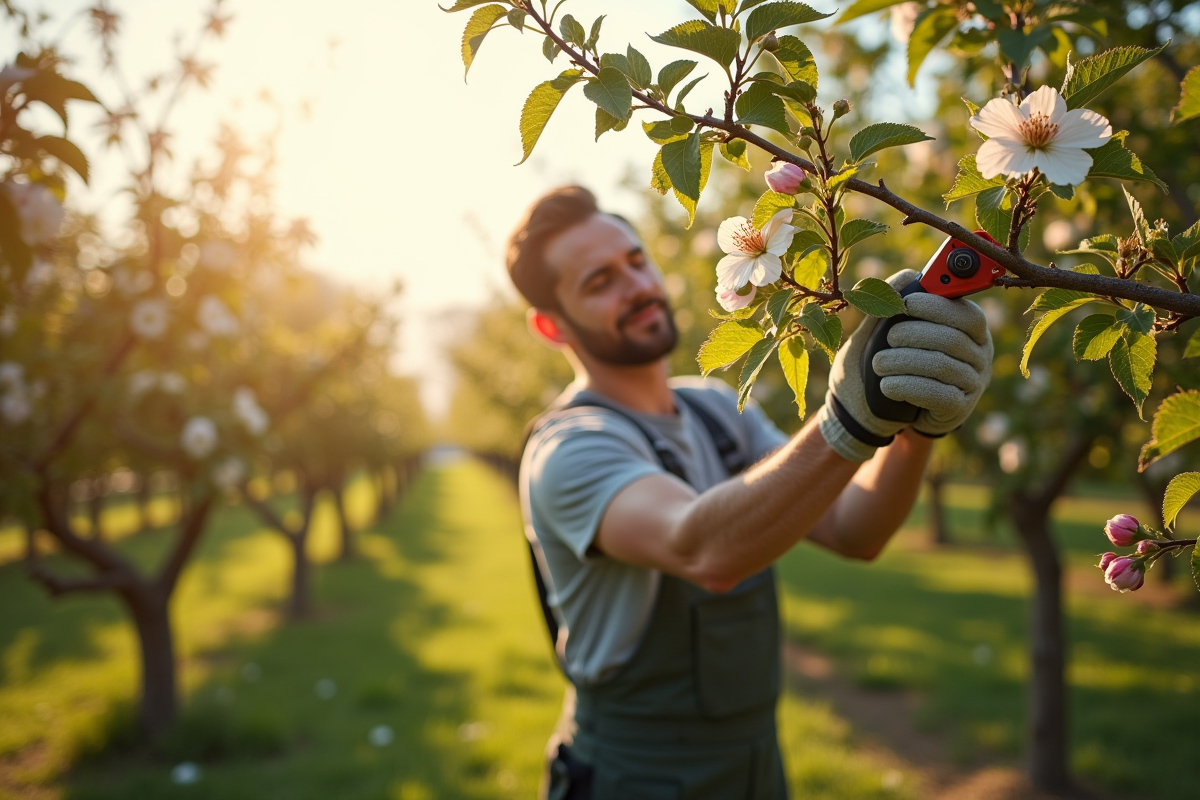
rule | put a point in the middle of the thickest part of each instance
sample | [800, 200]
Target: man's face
[610, 295]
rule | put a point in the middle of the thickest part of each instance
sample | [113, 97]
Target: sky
[402, 169]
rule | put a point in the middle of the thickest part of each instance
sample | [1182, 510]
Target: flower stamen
[1038, 130]
[749, 239]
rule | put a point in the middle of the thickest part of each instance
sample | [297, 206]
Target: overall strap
[735, 461]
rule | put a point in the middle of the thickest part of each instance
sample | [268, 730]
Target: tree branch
[190, 528]
[57, 585]
[93, 551]
[264, 511]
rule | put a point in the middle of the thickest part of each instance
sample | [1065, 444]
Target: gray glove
[940, 362]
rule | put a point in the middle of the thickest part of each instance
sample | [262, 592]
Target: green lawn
[434, 633]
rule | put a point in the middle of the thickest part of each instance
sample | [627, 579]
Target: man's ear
[545, 326]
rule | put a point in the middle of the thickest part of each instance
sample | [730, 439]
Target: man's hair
[554, 213]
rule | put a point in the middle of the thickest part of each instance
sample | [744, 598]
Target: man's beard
[619, 350]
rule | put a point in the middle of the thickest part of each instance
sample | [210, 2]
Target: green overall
[692, 715]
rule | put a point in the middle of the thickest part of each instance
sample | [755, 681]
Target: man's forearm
[743, 525]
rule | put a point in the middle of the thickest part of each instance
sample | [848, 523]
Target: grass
[951, 623]
[433, 632]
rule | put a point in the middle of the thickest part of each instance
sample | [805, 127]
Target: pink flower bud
[1125, 574]
[1146, 547]
[1123, 530]
[784, 177]
[1106, 559]
[731, 301]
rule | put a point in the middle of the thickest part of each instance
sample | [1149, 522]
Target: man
[654, 546]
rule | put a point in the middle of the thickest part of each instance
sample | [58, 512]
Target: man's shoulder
[715, 393]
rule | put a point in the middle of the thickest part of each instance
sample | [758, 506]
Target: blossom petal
[1066, 166]
[731, 300]
[1046, 101]
[781, 240]
[733, 271]
[727, 235]
[767, 269]
[1082, 128]
[999, 157]
[780, 218]
[999, 119]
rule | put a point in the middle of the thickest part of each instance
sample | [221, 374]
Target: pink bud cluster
[1123, 573]
[1127, 573]
[1124, 530]
[784, 177]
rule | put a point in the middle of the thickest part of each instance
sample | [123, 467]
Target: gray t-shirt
[572, 468]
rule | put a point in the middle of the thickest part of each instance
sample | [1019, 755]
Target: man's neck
[641, 388]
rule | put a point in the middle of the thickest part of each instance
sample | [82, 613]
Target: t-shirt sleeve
[576, 467]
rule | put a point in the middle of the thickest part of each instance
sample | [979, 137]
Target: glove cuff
[845, 435]
[933, 435]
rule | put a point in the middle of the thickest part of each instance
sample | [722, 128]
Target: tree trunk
[347, 535]
[160, 700]
[142, 500]
[1048, 651]
[938, 530]
[95, 506]
[299, 604]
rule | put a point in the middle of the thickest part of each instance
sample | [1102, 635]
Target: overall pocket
[735, 641]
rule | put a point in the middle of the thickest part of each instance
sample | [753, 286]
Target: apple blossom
[229, 473]
[172, 382]
[149, 319]
[1106, 559]
[732, 300]
[1125, 574]
[753, 254]
[215, 317]
[784, 177]
[249, 412]
[199, 437]
[8, 321]
[1146, 547]
[1123, 530]
[15, 405]
[40, 212]
[1039, 134]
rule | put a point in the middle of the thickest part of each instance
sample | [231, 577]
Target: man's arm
[741, 526]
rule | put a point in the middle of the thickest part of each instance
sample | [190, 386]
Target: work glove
[940, 362]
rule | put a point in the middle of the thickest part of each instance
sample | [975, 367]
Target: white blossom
[1040, 133]
[142, 381]
[8, 321]
[1013, 455]
[11, 373]
[172, 382]
[39, 210]
[199, 437]
[993, 429]
[149, 319]
[16, 405]
[229, 474]
[753, 254]
[216, 318]
[249, 412]
[217, 255]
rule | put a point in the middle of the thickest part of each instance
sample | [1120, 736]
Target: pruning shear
[955, 270]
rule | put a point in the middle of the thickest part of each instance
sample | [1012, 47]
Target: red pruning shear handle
[955, 270]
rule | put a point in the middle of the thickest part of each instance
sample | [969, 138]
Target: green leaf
[1176, 423]
[706, 7]
[1087, 79]
[477, 28]
[1103, 245]
[796, 91]
[759, 106]
[1112, 160]
[719, 44]
[812, 266]
[550, 49]
[1196, 566]
[606, 122]
[796, 60]
[640, 72]
[1193, 346]
[969, 181]
[540, 105]
[793, 357]
[1095, 336]
[993, 213]
[728, 342]
[462, 5]
[660, 181]
[770, 204]
[1180, 490]
[932, 26]
[516, 18]
[860, 8]
[1057, 303]
[618, 61]
[686, 90]
[758, 356]
[777, 307]
[670, 75]
[875, 297]
[1062, 192]
[765, 19]
[1140, 318]
[594, 34]
[572, 30]
[15, 251]
[681, 160]
[610, 91]
[66, 152]
[826, 329]
[1132, 362]
[663, 131]
[874, 138]
[1017, 45]
[734, 151]
[1189, 97]
[857, 230]
[1187, 245]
